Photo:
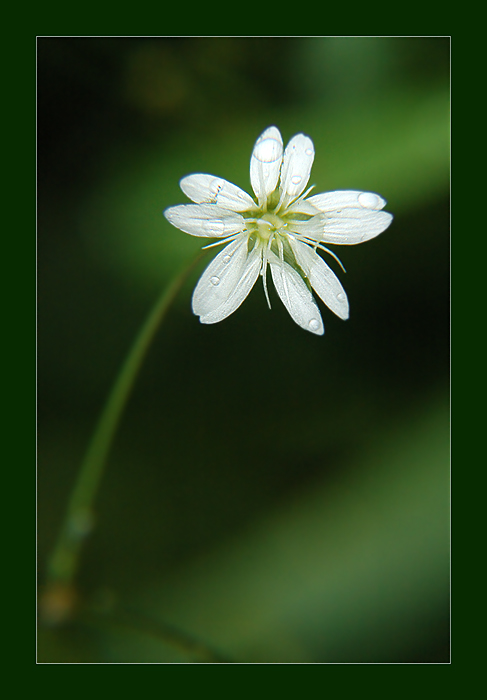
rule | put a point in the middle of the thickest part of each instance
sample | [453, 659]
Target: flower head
[281, 228]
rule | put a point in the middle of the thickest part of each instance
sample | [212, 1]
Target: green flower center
[268, 225]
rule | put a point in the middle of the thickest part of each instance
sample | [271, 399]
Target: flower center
[268, 225]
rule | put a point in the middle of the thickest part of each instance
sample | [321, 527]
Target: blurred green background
[278, 496]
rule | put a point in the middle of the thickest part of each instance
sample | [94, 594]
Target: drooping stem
[64, 561]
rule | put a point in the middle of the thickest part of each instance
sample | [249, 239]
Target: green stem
[63, 564]
[135, 623]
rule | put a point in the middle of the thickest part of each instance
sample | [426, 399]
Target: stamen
[281, 250]
[333, 255]
[316, 244]
[291, 201]
[303, 196]
[281, 201]
[222, 240]
[264, 269]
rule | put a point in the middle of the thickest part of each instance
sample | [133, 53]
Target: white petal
[203, 188]
[226, 282]
[205, 220]
[347, 227]
[296, 296]
[296, 165]
[323, 280]
[265, 163]
[331, 201]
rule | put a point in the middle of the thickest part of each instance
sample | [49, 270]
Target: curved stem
[63, 563]
[136, 623]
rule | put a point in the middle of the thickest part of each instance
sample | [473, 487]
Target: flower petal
[205, 220]
[226, 282]
[323, 280]
[265, 163]
[204, 188]
[347, 227]
[295, 295]
[302, 206]
[296, 165]
[331, 201]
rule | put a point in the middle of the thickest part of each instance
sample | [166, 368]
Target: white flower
[282, 229]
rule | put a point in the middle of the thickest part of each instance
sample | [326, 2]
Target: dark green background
[279, 496]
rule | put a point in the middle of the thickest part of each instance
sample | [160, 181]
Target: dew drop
[268, 150]
[340, 296]
[314, 324]
[369, 200]
[309, 151]
[215, 281]
[296, 179]
[213, 227]
[227, 258]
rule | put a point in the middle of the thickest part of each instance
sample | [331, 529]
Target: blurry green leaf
[354, 571]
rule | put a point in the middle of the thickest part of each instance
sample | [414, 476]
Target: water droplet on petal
[268, 150]
[369, 200]
[340, 296]
[296, 179]
[314, 324]
[227, 258]
[213, 227]
[309, 151]
[215, 281]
